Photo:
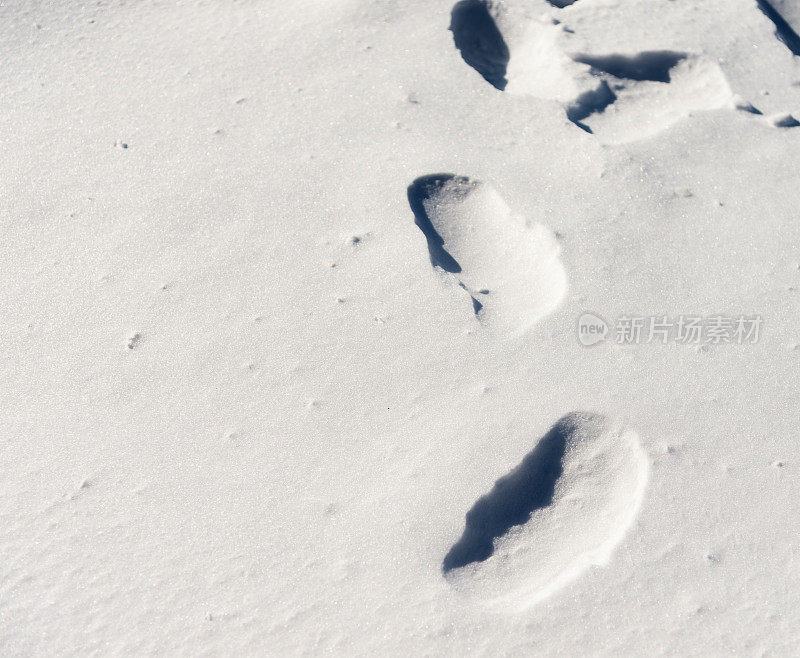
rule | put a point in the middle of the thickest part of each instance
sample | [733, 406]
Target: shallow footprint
[562, 509]
[511, 269]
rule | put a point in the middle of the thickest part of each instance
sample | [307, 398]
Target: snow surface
[245, 414]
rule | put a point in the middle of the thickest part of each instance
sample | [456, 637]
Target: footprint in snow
[785, 16]
[562, 509]
[479, 40]
[509, 268]
[618, 97]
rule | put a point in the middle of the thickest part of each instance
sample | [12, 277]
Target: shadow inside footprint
[480, 42]
[654, 65]
[651, 66]
[783, 30]
[422, 189]
[512, 500]
[589, 103]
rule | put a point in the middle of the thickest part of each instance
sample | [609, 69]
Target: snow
[245, 414]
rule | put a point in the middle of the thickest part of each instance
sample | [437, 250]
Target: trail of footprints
[617, 97]
[572, 498]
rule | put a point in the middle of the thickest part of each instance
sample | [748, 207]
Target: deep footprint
[649, 91]
[562, 509]
[618, 97]
[477, 38]
[785, 16]
[510, 270]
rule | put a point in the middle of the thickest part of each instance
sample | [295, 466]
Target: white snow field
[293, 307]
